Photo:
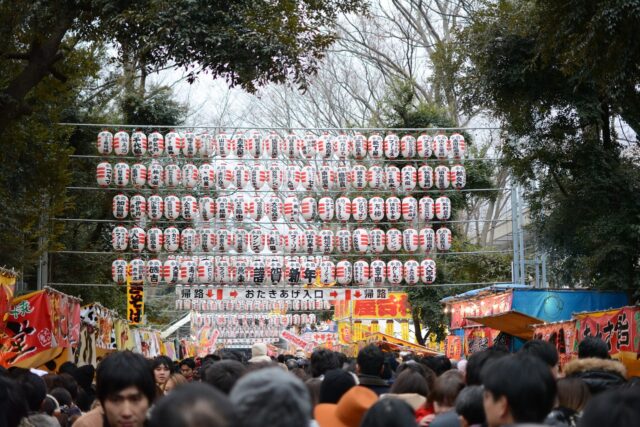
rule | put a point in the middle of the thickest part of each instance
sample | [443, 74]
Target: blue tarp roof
[475, 292]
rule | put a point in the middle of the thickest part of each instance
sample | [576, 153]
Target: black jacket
[376, 384]
[599, 374]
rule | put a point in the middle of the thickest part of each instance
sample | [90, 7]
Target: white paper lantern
[154, 271]
[344, 177]
[119, 271]
[155, 207]
[190, 208]
[308, 177]
[256, 208]
[458, 146]
[291, 145]
[309, 239]
[188, 272]
[189, 144]
[375, 146]
[426, 209]
[173, 143]
[409, 208]
[343, 208]
[171, 271]
[155, 174]
[443, 208]
[239, 144]
[425, 177]
[256, 240]
[225, 239]
[243, 271]
[207, 177]
[308, 269]
[274, 208]
[292, 177]
[409, 178]
[273, 241]
[240, 176]
[291, 208]
[410, 240]
[394, 240]
[275, 272]
[378, 271]
[119, 238]
[121, 143]
[393, 177]
[206, 270]
[361, 273]
[155, 144]
[137, 239]
[411, 272]
[427, 239]
[138, 175]
[342, 145]
[326, 177]
[325, 241]
[376, 208]
[137, 271]
[359, 177]
[254, 143]
[292, 240]
[360, 146]
[377, 240]
[343, 241]
[443, 239]
[458, 176]
[324, 146]
[138, 207]
[105, 142]
[441, 146]
[307, 147]
[121, 174]
[327, 272]
[441, 176]
[376, 177]
[361, 240]
[104, 174]
[258, 176]
[189, 240]
[424, 146]
[172, 207]
[190, 175]
[205, 144]
[223, 145]
[155, 239]
[224, 208]
[395, 271]
[359, 208]
[171, 239]
[138, 143]
[408, 146]
[120, 206]
[208, 239]
[393, 208]
[391, 146]
[428, 271]
[241, 208]
[326, 209]
[172, 175]
[275, 176]
[309, 208]
[293, 271]
[344, 272]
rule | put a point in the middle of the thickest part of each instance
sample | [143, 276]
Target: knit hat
[259, 353]
[349, 410]
[335, 384]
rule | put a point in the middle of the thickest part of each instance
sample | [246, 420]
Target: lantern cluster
[252, 320]
[187, 301]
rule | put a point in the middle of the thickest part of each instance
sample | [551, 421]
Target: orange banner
[453, 347]
[396, 307]
[561, 334]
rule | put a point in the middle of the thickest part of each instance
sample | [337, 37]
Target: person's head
[517, 389]
[446, 390]
[224, 374]
[13, 403]
[67, 368]
[125, 387]
[193, 405]
[323, 360]
[439, 364]
[335, 384]
[573, 393]
[411, 365]
[67, 382]
[544, 351]
[162, 369]
[187, 366]
[389, 413]
[176, 380]
[478, 360]
[84, 375]
[370, 360]
[259, 354]
[410, 381]
[34, 387]
[469, 406]
[62, 396]
[613, 408]
[271, 397]
[593, 347]
[349, 410]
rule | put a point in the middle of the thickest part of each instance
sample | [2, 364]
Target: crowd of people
[376, 389]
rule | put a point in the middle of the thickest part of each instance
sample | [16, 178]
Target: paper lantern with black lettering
[308, 271]
[206, 175]
[104, 174]
[309, 239]
[189, 144]
[377, 240]
[391, 146]
[120, 206]
[254, 143]
[138, 175]
[291, 177]
[343, 208]
[360, 240]
[256, 240]
[275, 176]
[119, 271]
[441, 146]
[258, 176]
[273, 241]
[190, 208]
[274, 208]
[324, 146]
[393, 177]
[343, 241]
[376, 208]
[224, 208]
[410, 240]
[344, 272]
[208, 239]
[408, 178]
[138, 207]
[155, 144]
[325, 241]
[105, 142]
[225, 238]
[376, 177]
[290, 145]
[244, 271]
[360, 146]
[443, 239]
[427, 239]
[206, 270]
[426, 209]
[308, 177]
[309, 208]
[241, 208]
[359, 208]
[408, 146]
[327, 272]
[441, 176]
[395, 271]
[121, 174]
[119, 238]
[342, 145]
[409, 208]
[359, 177]
[458, 177]
[172, 207]
[378, 270]
[223, 145]
[293, 270]
[291, 208]
[424, 146]
[443, 208]
[155, 239]
[326, 209]
[458, 146]
[241, 176]
[393, 208]
[189, 240]
[411, 272]
[361, 273]
[239, 144]
[224, 176]
[344, 177]
[274, 271]
[326, 177]
[171, 271]
[137, 271]
[121, 143]
[394, 239]
[155, 174]
[137, 239]
[172, 143]
[190, 175]
[188, 272]
[428, 273]
[138, 143]
[154, 271]
[155, 207]
[292, 240]
[171, 239]
[307, 146]
[375, 146]
[172, 175]
[205, 144]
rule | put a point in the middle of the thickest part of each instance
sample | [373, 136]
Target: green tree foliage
[559, 75]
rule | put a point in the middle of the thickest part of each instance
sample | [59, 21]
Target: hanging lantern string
[266, 254]
[232, 192]
[278, 288]
[253, 223]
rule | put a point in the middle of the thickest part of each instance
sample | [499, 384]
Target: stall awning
[512, 322]
[389, 342]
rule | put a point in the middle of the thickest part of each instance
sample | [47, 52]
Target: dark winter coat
[599, 374]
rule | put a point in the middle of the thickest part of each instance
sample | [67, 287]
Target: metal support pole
[514, 235]
[43, 262]
[545, 284]
[523, 271]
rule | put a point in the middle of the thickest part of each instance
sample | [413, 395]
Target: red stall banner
[7, 288]
[478, 339]
[487, 306]
[453, 347]
[561, 334]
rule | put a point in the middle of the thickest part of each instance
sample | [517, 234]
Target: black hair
[412, 366]
[342, 359]
[192, 405]
[124, 369]
[527, 384]
[321, 361]
[439, 364]
[34, 387]
[389, 413]
[13, 404]
[593, 347]
[478, 360]
[84, 376]
[370, 360]
[543, 350]
[447, 387]
[224, 374]
[189, 362]
[469, 405]
[335, 384]
[160, 361]
[62, 396]
[67, 382]
[410, 381]
[67, 368]
[617, 407]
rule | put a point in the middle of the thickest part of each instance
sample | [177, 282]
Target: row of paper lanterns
[253, 144]
[244, 306]
[245, 320]
[292, 241]
[241, 207]
[227, 334]
[206, 270]
[276, 176]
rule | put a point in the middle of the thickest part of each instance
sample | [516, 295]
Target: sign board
[276, 294]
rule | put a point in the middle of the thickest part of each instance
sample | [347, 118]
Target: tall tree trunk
[416, 324]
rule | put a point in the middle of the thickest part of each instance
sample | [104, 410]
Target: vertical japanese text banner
[135, 304]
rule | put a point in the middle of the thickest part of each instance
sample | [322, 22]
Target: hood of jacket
[598, 374]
